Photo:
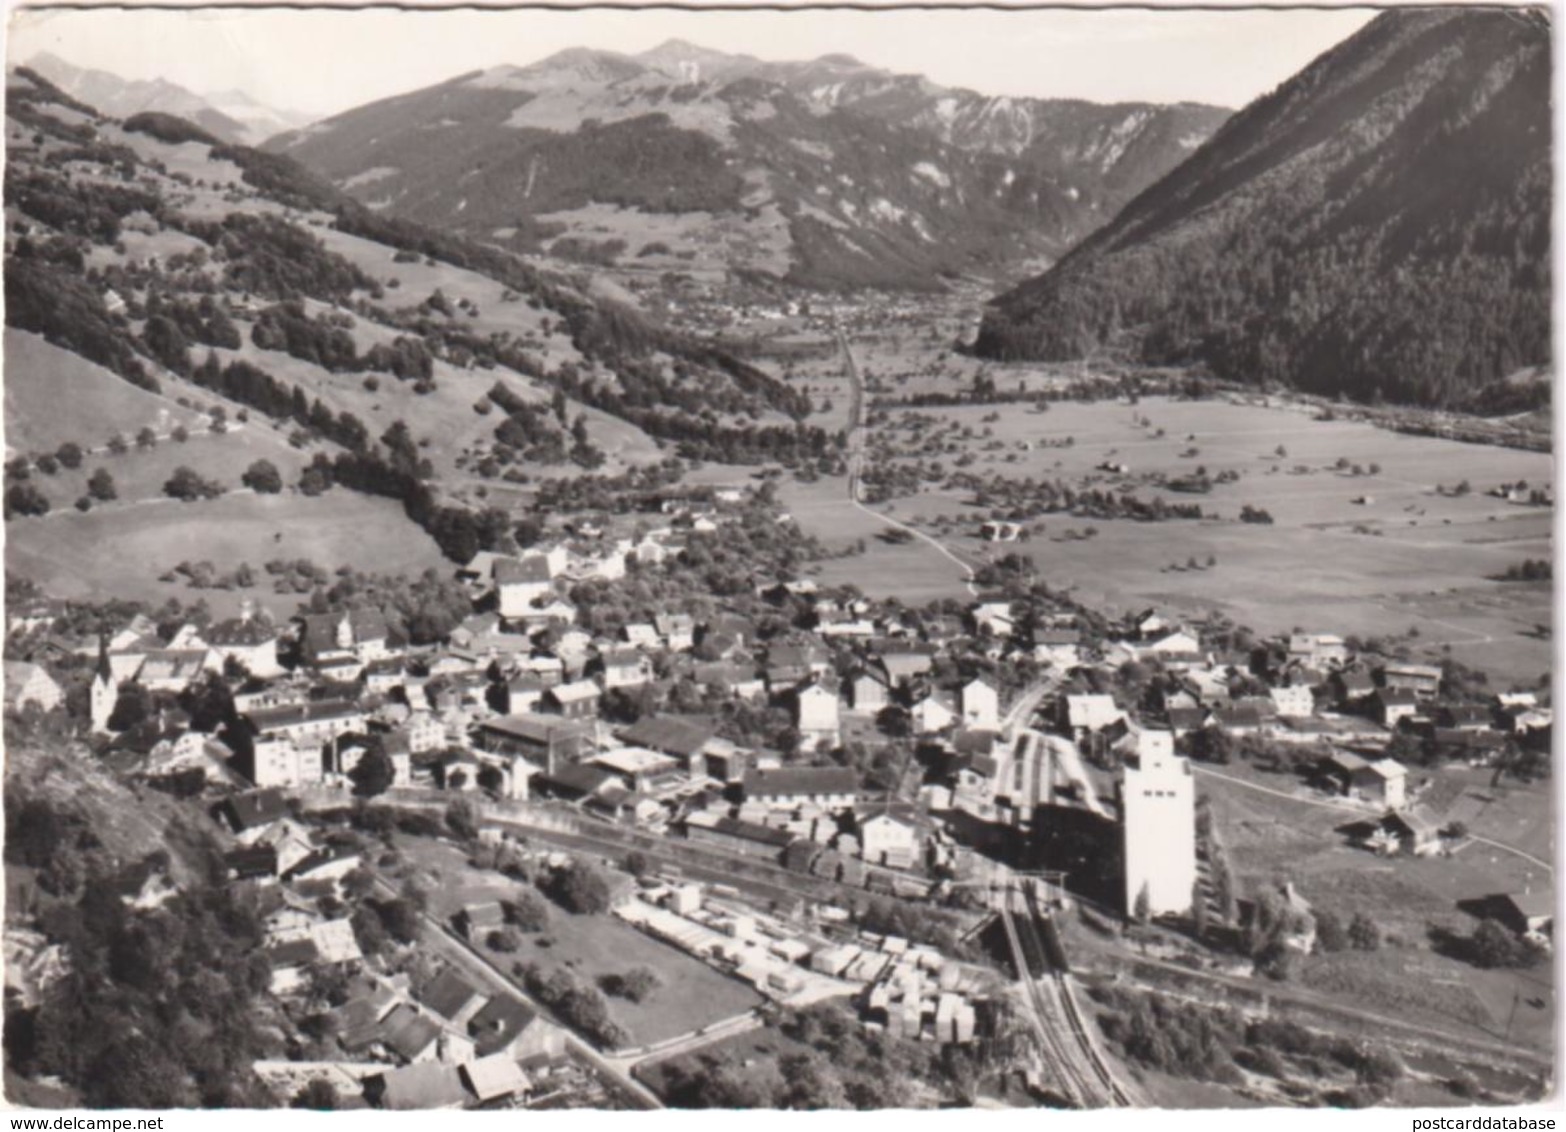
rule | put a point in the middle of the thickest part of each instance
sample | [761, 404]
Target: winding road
[857, 436]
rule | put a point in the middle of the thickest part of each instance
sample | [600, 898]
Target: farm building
[1424, 680]
[1382, 782]
[1406, 831]
[1000, 531]
[1527, 912]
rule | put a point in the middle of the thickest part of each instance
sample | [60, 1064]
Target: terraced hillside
[176, 303]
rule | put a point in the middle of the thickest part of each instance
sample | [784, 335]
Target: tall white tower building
[1158, 825]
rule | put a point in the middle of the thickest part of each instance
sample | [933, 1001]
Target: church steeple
[105, 691]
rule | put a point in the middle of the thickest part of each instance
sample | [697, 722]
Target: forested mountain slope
[1378, 226]
[265, 318]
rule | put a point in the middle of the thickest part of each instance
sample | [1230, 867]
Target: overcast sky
[323, 61]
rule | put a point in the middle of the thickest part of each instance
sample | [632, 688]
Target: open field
[1409, 559]
[417, 280]
[914, 572]
[1271, 839]
[759, 239]
[53, 396]
[120, 551]
[140, 473]
[444, 421]
[691, 994]
[748, 1050]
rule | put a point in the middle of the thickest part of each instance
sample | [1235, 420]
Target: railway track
[1083, 1075]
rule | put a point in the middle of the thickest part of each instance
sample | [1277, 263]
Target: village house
[452, 997]
[309, 724]
[637, 768]
[1238, 719]
[869, 691]
[1352, 687]
[1318, 650]
[248, 642]
[543, 740]
[1176, 650]
[519, 583]
[1059, 647]
[980, 706]
[1382, 782]
[641, 635]
[889, 839]
[729, 678]
[425, 732]
[1083, 714]
[250, 812]
[1294, 702]
[678, 631]
[685, 740]
[496, 1078]
[1149, 625]
[1390, 706]
[174, 670]
[360, 633]
[816, 717]
[505, 1025]
[1423, 680]
[1411, 831]
[577, 700]
[28, 685]
[931, 715]
[525, 692]
[425, 1086]
[1465, 717]
[790, 665]
[999, 531]
[624, 668]
[279, 761]
[993, 618]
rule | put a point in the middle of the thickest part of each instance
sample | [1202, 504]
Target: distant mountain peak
[843, 59]
[232, 116]
[693, 63]
[581, 64]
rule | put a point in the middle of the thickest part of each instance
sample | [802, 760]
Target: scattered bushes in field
[579, 887]
[635, 985]
[582, 1008]
[24, 498]
[263, 477]
[186, 485]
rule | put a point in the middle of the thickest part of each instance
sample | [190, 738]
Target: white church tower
[105, 692]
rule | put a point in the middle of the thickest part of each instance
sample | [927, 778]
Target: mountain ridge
[826, 173]
[231, 116]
